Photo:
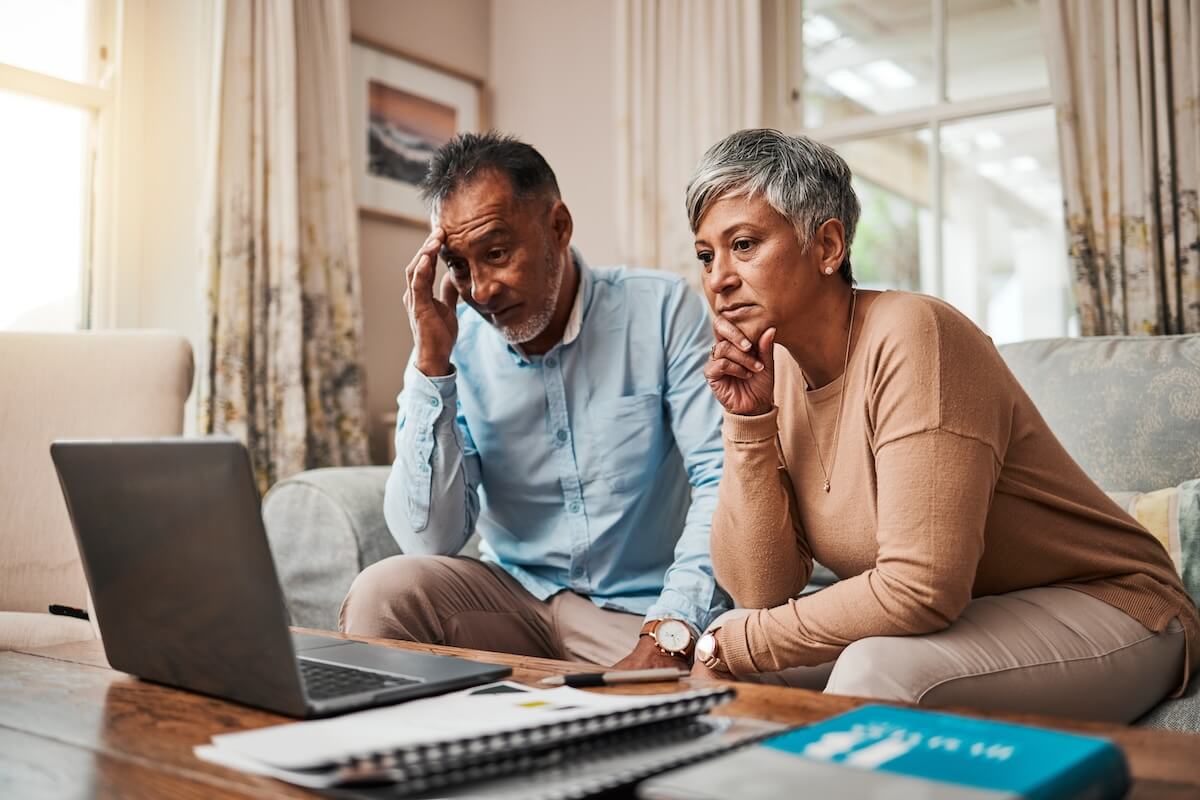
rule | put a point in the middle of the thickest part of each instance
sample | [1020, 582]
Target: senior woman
[881, 434]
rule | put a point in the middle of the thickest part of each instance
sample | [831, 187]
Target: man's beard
[536, 325]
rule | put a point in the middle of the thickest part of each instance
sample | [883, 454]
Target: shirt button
[574, 507]
[561, 435]
[551, 362]
[433, 401]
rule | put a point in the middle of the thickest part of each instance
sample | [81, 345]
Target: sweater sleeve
[759, 552]
[934, 491]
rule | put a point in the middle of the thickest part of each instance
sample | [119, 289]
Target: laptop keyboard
[322, 681]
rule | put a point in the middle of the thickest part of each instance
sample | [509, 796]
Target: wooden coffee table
[70, 726]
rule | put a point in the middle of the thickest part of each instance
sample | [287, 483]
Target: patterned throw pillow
[1173, 516]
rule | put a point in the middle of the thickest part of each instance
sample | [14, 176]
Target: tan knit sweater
[947, 485]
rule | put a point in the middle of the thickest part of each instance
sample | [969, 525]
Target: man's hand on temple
[433, 320]
[646, 655]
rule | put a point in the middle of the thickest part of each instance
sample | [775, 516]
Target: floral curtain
[281, 247]
[1125, 76]
[689, 72]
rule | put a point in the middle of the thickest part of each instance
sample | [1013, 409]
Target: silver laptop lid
[185, 591]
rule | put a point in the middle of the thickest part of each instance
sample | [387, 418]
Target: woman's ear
[831, 243]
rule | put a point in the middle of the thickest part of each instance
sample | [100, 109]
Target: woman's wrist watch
[707, 652]
[672, 637]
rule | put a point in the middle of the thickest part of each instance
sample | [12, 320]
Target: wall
[553, 85]
[455, 34]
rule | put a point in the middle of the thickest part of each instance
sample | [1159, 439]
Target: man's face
[503, 255]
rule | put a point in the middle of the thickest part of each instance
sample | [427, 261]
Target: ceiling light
[988, 140]
[889, 74]
[819, 30]
[850, 84]
[1024, 164]
[991, 169]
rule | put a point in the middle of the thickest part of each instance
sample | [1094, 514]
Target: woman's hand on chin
[742, 378]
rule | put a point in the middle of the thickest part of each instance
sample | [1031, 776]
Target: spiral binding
[437, 764]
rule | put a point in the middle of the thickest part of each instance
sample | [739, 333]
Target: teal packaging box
[881, 751]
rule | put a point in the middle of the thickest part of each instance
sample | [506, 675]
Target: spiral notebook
[483, 734]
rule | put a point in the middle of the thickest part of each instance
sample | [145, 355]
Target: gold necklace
[837, 424]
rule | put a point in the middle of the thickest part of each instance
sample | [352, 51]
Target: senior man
[562, 413]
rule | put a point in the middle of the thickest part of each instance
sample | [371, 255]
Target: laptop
[185, 591]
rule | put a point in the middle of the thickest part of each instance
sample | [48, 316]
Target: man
[562, 413]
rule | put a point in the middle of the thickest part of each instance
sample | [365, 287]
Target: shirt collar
[575, 321]
[578, 306]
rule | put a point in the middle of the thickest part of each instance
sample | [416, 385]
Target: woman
[882, 435]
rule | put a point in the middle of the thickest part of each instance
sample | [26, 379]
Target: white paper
[447, 718]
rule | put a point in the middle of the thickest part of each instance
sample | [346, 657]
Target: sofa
[1126, 408]
[62, 386]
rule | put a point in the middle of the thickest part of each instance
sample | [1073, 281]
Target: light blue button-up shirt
[592, 468]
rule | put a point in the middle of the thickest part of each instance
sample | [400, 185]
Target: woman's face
[755, 273]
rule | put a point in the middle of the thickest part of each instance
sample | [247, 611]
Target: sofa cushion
[71, 386]
[1176, 714]
[1172, 515]
[1127, 408]
[325, 526]
[27, 630]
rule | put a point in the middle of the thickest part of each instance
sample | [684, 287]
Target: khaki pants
[464, 602]
[1049, 650]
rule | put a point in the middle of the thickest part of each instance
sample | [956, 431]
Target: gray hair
[805, 181]
[468, 155]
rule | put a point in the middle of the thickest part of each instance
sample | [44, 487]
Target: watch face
[705, 647]
[673, 635]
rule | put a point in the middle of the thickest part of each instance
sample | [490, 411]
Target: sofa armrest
[325, 526]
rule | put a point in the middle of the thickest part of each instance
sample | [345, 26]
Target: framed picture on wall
[402, 111]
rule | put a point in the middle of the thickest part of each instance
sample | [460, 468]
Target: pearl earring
[829, 270]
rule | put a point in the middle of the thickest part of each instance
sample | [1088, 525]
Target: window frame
[789, 61]
[98, 99]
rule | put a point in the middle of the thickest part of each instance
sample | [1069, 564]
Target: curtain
[1125, 76]
[689, 72]
[284, 373]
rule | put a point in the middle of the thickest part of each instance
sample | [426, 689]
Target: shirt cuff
[674, 604]
[428, 397]
[745, 430]
[442, 385]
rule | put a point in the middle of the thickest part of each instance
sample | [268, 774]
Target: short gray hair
[805, 181]
[468, 155]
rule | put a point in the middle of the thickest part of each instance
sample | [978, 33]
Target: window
[52, 56]
[942, 109]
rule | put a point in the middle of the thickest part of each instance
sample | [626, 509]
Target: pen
[616, 677]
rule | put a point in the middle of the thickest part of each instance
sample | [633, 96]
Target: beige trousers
[1050, 650]
[465, 602]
